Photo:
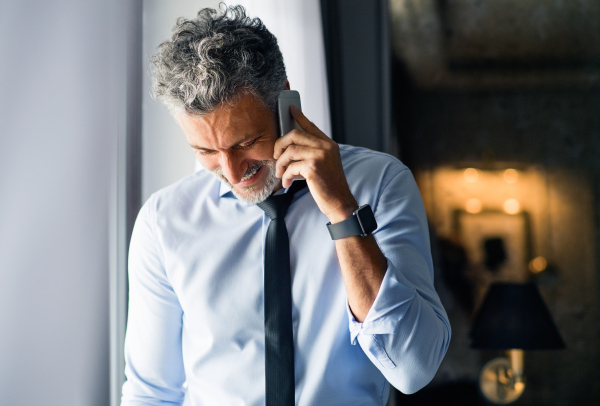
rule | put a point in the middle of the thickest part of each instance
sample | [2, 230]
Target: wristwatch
[362, 222]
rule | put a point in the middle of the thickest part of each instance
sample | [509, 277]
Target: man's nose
[233, 167]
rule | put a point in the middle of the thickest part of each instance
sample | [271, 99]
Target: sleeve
[406, 332]
[153, 355]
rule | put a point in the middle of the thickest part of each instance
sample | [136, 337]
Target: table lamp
[512, 318]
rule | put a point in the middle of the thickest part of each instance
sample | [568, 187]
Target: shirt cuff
[392, 302]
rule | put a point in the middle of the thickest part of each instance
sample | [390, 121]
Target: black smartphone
[286, 121]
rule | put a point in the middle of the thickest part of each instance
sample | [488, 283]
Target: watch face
[366, 219]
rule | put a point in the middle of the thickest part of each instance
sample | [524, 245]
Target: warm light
[473, 206]
[538, 264]
[511, 206]
[519, 387]
[511, 176]
[471, 175]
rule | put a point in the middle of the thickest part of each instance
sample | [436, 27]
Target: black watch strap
[362, 222]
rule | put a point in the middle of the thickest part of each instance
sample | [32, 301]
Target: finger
[296, 137]
[305, 123]
[293, 171]
[295, 153]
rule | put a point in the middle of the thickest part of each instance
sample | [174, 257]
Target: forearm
[362, 264]
[363, 268]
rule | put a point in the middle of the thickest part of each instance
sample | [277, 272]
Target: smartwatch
[362, 222]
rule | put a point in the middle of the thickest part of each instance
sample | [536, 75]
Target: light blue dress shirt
[196, 321]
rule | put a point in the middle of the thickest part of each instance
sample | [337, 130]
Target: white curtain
[57, 126]
[298, 28]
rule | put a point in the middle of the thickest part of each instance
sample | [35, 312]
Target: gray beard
[250, 194]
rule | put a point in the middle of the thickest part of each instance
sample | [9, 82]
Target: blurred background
[493, 104]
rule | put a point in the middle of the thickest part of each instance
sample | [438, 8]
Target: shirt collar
[224, 189]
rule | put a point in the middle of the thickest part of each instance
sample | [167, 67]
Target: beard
[253, 194]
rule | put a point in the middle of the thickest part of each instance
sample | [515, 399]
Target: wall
[57, 127]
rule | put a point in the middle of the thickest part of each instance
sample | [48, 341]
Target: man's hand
[315, 157]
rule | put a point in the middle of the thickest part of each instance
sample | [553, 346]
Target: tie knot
[276, 206]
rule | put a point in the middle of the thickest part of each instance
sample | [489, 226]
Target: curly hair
[215, 58]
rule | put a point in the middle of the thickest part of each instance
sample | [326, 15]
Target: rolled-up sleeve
[406, 332]
[153, 354]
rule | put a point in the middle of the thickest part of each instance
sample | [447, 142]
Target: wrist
[342, 212]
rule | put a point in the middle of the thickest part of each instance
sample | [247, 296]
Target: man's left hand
[316, 157]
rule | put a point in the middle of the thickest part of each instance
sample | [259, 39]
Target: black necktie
[279, 337]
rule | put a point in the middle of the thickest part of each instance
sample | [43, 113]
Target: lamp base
[498, 383]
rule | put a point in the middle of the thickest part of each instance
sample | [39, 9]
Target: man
[363, 307]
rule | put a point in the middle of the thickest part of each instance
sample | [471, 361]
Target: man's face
[236, 144]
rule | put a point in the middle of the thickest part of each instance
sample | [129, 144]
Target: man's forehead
[229, 140]
[226, 127]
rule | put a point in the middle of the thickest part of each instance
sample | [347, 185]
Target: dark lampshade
[514, 316]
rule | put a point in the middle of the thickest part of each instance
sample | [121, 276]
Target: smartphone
[286, 121]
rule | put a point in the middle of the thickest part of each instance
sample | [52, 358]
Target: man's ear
[287, 85]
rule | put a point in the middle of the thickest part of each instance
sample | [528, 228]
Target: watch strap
[346, 228]
[360, 223]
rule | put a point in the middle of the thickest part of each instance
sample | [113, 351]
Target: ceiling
[483, 44]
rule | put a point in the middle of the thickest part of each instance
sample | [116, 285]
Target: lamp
[514, 318]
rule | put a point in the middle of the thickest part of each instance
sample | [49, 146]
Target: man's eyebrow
[248, 138]
[197, 147]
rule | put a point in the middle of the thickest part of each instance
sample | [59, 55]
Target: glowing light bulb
[511, 176]
[473, 206]
[512, 206]
[538, 264]
[471, 175]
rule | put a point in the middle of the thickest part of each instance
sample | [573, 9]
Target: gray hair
[215, 58]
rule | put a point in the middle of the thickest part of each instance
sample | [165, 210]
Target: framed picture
[497, 245]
